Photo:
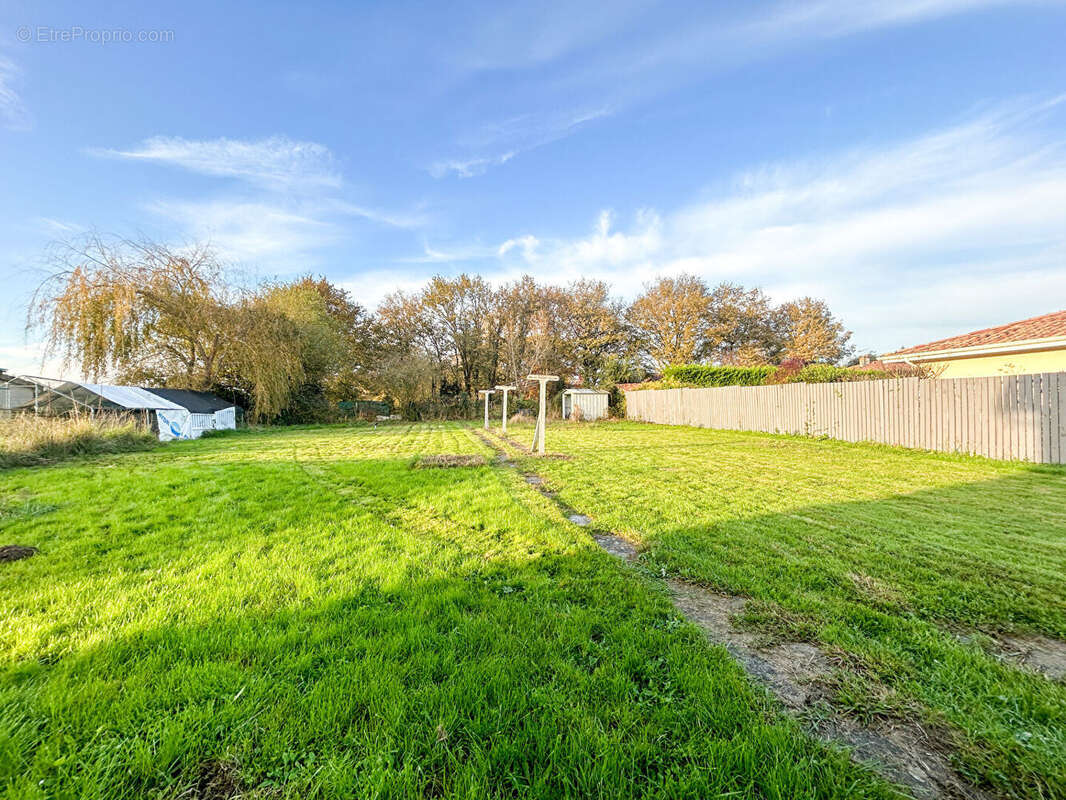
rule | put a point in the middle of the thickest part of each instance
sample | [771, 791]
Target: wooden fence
[1019, 417]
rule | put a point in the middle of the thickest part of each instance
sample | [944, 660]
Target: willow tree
[141, 311]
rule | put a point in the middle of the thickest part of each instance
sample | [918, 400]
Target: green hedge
[703, 375]
[706, 375]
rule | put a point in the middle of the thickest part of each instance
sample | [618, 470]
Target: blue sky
[905, 160]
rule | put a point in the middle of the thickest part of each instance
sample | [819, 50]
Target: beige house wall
[1029, 363]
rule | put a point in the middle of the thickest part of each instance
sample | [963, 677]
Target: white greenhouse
[172, 413]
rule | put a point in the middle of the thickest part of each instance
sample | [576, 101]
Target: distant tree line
[148, 314]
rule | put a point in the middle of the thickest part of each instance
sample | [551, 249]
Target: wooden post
[486, 392]
[505, 390]
[538, 434]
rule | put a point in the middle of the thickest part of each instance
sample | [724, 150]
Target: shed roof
[196, 402]
[584, 391]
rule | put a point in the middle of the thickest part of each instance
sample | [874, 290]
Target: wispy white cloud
[58, 227]
[451, 254]
[469, 167]
[563, 55]
[393, 219]
[960, 226]
[13, 111]
[825, 19]
[291, 205]
[275, 162]
[505, 139]
[251, 231]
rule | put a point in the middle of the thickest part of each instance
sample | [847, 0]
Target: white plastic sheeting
[174, 424]
[130, 396]
[181, 424]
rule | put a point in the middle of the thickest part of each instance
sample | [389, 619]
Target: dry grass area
[27, 441]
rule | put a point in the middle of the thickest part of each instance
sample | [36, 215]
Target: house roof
[1045, 327]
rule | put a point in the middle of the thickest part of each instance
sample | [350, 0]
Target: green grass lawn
[299, 613]
[904, 565]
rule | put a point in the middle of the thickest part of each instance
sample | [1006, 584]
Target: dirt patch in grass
[16, 552]
[792, 670]
[1041, 653]
[218, 780]
[799, 675]
[905, 753]
[450, 461]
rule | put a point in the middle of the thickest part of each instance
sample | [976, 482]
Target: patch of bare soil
[218, 780]
[792, 670]
[449, 461]
[796, 672]
[1041, 653]
[16, 552]
[904, 753]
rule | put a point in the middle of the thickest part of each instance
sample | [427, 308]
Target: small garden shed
[588, 403]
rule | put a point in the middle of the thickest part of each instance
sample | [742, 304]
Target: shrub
[707, 375]
[27, 440]
[827, 373]
[789, 371]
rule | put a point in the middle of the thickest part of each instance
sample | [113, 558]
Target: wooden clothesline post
[505, 390]
[538, 434]
[486, 392]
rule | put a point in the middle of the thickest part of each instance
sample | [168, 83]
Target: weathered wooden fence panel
[1013, 417]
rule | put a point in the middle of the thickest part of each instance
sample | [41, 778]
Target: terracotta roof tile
[1042, 327]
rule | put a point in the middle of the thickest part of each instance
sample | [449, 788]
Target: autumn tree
[456, 311]
[671, 320]
[335, 336]
[406, 378]
[744, 327]
[590, 328]
[526, 341]
[812, 333]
